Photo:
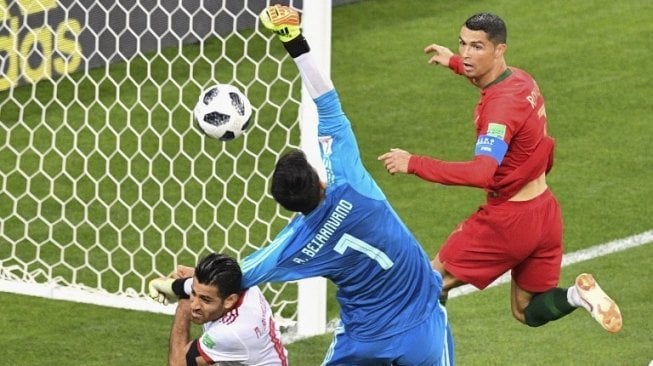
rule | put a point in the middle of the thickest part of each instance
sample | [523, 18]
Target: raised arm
[285, 22]
[441, 55]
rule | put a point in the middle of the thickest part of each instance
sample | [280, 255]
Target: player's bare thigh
[519, 298]
[449, 281]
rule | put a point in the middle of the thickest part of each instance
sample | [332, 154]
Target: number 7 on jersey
[348, 241]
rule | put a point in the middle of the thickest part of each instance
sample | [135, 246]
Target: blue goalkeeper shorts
[428, 344]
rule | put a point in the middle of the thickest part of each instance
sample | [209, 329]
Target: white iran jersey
[245, 335]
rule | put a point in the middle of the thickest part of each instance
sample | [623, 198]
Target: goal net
[105, 181]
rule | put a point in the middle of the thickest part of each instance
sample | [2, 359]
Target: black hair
[295, 184]
[490, 24]
[220, 271]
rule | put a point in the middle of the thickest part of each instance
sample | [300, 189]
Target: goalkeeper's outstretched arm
[285, 22]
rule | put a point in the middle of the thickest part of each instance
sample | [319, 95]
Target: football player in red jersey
[519, 228]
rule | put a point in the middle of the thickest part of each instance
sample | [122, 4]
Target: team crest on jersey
[207, 341]
[496, 130]
[325, 145]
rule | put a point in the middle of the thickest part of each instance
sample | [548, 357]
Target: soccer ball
[222, 112]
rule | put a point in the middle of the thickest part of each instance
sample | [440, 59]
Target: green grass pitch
[592, 62]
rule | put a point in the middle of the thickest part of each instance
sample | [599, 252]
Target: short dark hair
[295, 184]
[490, 24]
[220, 271]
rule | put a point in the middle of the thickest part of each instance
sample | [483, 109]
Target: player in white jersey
[238, 324]
[246, 328]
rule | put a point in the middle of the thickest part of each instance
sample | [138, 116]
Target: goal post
[105, 183]
[316, 25]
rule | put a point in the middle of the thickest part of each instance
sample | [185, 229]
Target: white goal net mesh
[105, 181]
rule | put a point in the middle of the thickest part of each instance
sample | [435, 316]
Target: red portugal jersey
[512, 146]
[512, 109]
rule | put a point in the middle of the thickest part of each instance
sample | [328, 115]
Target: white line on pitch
[575, 257]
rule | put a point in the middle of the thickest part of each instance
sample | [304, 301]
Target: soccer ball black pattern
[223, 112]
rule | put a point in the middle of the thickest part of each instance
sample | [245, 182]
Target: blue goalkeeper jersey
[355, 239]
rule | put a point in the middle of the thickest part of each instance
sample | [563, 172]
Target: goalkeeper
[347, 231]
[238, 324]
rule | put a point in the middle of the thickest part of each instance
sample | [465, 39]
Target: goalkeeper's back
[347, 231]
[353, 237]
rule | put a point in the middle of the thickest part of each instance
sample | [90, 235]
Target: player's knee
[518, 314]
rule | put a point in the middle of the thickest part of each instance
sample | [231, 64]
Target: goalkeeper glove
[161, 290]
